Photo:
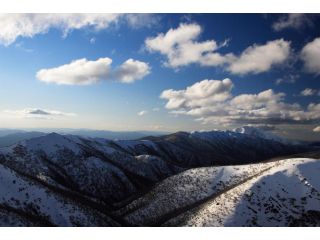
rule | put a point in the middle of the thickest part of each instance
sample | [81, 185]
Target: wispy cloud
[92, 40]
[289, 79]
[38, 113]
[21, 47]
[293, 21]
[142, 113]
[28, 25]
[142, 20]
[310, 92]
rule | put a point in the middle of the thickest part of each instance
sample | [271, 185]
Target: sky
[161, 72]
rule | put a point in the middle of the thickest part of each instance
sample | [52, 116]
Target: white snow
[274, 198]
[22, 194]
[186, 188]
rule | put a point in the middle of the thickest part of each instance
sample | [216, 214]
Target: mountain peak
[258, 132]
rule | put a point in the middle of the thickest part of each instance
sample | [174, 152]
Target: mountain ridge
[109, 175]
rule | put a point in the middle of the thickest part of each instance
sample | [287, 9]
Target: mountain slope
[86, 166]
[286, 194]
[29, 203]
[280, 193]
[120, 182]
[218, 148]
[178, 193]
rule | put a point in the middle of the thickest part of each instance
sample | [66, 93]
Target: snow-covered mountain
[26, 202]
[258, 132]
[280, 193]
[68, 180]
[283, 193]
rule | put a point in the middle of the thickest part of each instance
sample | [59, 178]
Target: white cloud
[132, 70]
[260, 58]
[28, 25]
[142, 20]
[142, 113]
[157, 126]
[93, 40]
[78, 72]
[21, 47]
[181, 48]
[38, 113]
[290, 79]
[309, 92]
[310, 54]
[211, 101]
[85, 72]
[292, 20]
[316, 129]
[206, 92]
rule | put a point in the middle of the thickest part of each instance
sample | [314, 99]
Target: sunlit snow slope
[284, 193]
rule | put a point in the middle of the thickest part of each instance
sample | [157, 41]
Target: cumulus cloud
[316, 129]
[85, 72]
[211, 101]
[206, 92]
[292, 20]
[38, 113]
[310, 55]
[142, 113]
[309, 92]
[78, 72]
[28, 25]
[132, 70]
[260, 58]
[181, 47]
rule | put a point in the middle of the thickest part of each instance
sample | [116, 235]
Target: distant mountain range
[257, 132]
[197, 179]
[11, 136]
[4, 132]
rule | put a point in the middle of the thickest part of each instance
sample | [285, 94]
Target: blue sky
[256, 52]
